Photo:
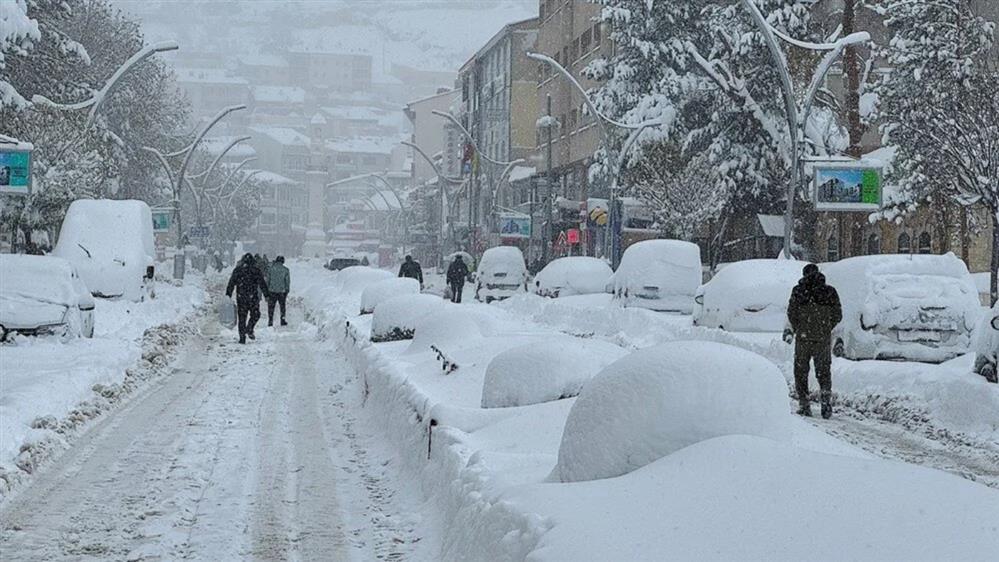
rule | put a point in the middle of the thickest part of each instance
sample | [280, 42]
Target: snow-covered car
[111, 245]
[43, 295]
[575, 275]
[337, 264]
[904, 307]
[659, 275]
[502, 273]
[987, 345]
[748, 296]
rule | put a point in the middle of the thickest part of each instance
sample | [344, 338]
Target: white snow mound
[574, 275]
[449, 328]
[545, 371]
[355, 278]
[396, 318]
[658, 400]
[384, 290]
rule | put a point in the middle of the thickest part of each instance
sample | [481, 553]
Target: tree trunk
[993, 281]
[851, 68]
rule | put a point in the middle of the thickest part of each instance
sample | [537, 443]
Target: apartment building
[211, 89]
[281, 150]
[338, 72]
[284, 212]
[428, 133]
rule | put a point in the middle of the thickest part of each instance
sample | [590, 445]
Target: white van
[111, 244]
[904, 307]
[987, 345]
[501, 274]
[659, 275]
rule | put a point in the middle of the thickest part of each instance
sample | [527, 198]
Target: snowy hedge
[545, 371]
[396, 318]
[664, 398]
[384, 290]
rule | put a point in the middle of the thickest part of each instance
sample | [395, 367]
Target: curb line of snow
[159, 347]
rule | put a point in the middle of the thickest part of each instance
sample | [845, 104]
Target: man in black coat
[456, 274]
[411, 268]
[248, 282]
[813, 312]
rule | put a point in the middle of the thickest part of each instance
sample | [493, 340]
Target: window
[596, 34]
[873, 245]
[266, 218]
[566, 57]
[585, 39]
[925, 243]
[904, 243]
[541, 10]
[267, 192]
[832, 248]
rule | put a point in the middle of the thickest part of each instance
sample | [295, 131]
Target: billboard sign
[847, 186]
[161, 220]
[514, 225]
[15, 171]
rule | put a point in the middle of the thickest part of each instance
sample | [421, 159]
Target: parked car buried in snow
[111, 245]
[659, 275]
[575, 275]
[902, 307]
[501, 274]
[987, 345]
[748, 296]
[43, 295]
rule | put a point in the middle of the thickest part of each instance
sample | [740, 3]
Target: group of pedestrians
[255, 277]
[457, 272]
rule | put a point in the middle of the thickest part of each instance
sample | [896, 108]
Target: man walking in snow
[248, 283]
[411, 268]
[456, 274]
[813, 312]
[279, 283]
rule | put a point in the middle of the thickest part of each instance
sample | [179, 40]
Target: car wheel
[989, 372]
[839, 350]
[3, 334]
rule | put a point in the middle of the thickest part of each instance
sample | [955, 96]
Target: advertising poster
[514, 225]
[847, 188]
[15, 171]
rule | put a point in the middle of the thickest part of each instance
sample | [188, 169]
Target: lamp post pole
[441, 181]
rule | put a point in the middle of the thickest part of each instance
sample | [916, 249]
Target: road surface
[242, 452]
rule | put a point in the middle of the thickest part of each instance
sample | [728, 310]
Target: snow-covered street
[240, 452]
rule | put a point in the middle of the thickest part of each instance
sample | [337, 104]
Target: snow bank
[659, 275]
[395, 319]
[381, 291]
[538, 372]
[659, 400]
[354, 279]
[449, 328]
[742, 497]
[111, 245]
[748, 296]
[570, 276]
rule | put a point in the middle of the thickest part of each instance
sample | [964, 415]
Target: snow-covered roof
[263, 60]
[207, 75]
[365, 145]
[772, 225]
[354, 113]
[216, 145]
[282, 135]
[12, 143]
[318, 119]
[521, 172]
[278, 94]
[272, 178]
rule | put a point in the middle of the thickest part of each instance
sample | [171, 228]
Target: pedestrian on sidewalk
[279, 283]
[812, 313]
[248, 283]
[411, 268]
[457, 272]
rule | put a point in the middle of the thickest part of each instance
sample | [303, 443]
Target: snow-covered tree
[939, 105]
[707, 61]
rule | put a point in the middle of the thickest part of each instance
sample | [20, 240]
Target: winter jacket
[814, 309]
[278, 278]
[247, 280]
[457, 272]
[412, 270]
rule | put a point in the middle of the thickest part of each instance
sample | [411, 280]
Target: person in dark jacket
[248, 283]
[813, 312]
[278, 283]
[456, 274]
[411, 268]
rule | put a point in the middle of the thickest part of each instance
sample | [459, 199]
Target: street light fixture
[441, 181]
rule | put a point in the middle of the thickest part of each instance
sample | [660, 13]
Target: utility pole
[546, 233]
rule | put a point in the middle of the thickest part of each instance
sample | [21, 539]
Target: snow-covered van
[573, 275]
[43, 295]
[111, 245]
[904, 307]
[659, 275]
[501, 274]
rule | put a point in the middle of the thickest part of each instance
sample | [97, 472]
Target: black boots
[804, 408]
[826, 399]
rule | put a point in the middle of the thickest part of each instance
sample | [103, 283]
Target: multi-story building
[281, 150]
[363, 155]
[211, 89]
[428, 132]
[331, 71]
[265, 70]
[284, 209]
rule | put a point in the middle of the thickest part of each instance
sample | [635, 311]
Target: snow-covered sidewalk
[490, 470]
[48, 387]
